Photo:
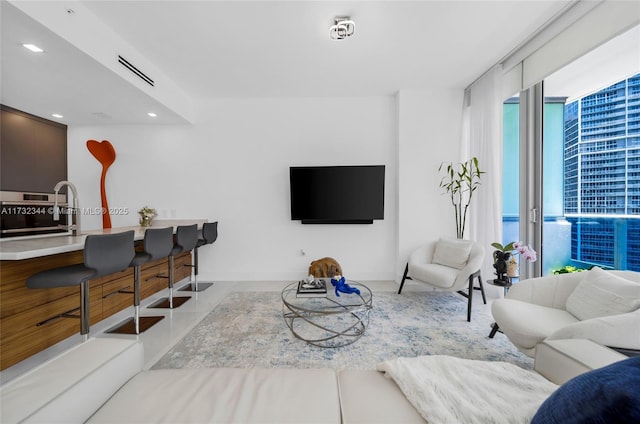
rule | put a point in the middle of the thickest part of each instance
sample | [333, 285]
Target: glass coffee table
[328, 321]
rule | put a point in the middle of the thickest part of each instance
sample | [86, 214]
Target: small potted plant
[505, 263]
[146, 216]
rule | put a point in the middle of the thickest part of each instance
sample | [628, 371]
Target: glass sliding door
[521, 159]
[531, 182]
[556, 230]
[511, 171]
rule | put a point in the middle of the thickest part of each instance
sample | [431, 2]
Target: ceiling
[609, 63]
[242, 49]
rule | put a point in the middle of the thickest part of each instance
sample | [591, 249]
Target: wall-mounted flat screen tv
[337, 194]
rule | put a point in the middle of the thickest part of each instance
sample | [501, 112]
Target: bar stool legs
[171, 301]
[158, 244]
[84, 310]
[195, 273]
[136, 298]
[209, 235]
[194, 285]
[186, 240]
[138, 324]
[171, 279]
[202, 285]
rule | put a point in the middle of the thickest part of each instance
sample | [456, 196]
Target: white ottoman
[561, 360]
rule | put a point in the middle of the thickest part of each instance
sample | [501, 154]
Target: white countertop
[38, 246]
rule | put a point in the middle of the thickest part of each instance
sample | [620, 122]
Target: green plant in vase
[460, 181]
[504, 260]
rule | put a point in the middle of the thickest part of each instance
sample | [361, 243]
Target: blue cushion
[607, 395]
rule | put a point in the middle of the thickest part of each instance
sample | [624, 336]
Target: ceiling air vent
[124, 62]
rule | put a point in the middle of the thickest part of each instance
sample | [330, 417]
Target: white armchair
[447, 264]
[603, 306]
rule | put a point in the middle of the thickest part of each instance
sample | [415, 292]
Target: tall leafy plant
[460, 181]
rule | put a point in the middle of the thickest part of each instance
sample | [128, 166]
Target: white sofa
[584, 305]
[102, 381]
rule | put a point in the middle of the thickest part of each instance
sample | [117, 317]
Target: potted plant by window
[505, 263]
[460, 181]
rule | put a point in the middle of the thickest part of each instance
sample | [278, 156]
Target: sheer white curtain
[482, 138]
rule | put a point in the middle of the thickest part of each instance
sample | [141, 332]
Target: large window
[590, 174]
[602, 156]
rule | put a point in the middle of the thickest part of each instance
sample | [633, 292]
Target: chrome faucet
[75, 210]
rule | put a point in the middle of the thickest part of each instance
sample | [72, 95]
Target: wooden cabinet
[30, 319]
[33, 152]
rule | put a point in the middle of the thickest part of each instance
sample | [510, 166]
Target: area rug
[247, 330]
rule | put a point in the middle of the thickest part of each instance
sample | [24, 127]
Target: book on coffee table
[316, 289]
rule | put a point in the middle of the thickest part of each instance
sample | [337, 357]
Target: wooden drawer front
[16, 297]
[127, 273]
[182, 265]
[153, 274]
[25, 299]
[152, 278]
[22, 336]
[14, 273]
[113, 301]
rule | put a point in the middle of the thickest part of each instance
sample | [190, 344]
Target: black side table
[505, 286]
[494, 327]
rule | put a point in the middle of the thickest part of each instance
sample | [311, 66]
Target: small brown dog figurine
[325, 267]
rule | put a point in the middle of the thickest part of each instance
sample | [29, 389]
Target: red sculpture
[106, 155]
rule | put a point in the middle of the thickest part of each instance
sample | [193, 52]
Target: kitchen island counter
[39, 246]
[31, 320]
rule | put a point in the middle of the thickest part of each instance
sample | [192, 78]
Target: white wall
[232, 166]
[429, 134]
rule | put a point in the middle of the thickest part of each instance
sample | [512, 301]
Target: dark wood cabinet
[33, 152]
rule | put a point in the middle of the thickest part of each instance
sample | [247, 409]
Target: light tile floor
[178, 322]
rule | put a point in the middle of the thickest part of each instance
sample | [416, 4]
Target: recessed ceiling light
[57, 115]
[151, 114]
[32, 47]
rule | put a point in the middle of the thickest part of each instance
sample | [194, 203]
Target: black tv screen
[337, 194]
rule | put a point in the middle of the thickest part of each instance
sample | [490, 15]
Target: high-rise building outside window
[602, 176]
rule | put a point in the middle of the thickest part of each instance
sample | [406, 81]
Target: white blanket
[445, 389]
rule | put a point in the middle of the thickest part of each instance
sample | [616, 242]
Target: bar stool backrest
[210, 232]
[187, 237]
[158, 242]
[109, 253]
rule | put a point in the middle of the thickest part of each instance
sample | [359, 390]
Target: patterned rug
[247, 330]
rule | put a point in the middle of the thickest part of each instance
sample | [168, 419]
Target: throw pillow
[601, 293]
[605, 395]
[452, 253]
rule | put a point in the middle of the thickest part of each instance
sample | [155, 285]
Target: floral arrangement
[146, 215]
[147, 212]
[517, 247]
[505, 263]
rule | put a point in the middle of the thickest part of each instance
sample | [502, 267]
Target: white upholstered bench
[103, 380]
[72, 386]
